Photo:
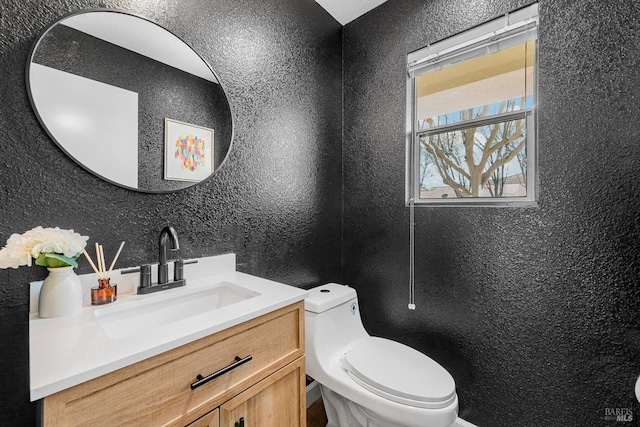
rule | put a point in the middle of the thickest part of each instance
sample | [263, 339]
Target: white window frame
[511, 29]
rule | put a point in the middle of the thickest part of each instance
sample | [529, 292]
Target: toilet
[367, 381]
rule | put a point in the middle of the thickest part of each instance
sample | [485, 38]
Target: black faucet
[168, 234]
[168, 242]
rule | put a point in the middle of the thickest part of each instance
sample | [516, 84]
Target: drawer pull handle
[203, 380]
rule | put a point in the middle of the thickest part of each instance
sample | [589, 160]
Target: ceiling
[345, 11]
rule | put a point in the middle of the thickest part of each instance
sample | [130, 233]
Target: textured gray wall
[276, 202]
[535, 312]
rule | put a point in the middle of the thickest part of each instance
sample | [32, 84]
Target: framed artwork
[188, 151]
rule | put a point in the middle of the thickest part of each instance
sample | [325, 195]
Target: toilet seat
[399, 373]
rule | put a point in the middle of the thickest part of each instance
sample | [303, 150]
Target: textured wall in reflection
[276, 202]
[535, 312]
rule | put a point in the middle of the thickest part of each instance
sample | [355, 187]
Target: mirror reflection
[129, 101]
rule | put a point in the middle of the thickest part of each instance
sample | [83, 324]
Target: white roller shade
[512, 29]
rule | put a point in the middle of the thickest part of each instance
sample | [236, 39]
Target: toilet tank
[332, 320]
[325, 297]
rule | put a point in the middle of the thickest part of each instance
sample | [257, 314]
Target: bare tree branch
[490, 150]
[439, 154]
[502, 161]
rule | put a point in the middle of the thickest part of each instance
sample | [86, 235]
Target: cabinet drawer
[158, 391]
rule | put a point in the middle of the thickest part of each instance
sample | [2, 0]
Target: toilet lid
[399, 373]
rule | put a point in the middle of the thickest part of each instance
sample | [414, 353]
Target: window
[471, 102]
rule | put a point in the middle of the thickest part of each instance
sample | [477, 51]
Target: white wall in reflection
[96, 123]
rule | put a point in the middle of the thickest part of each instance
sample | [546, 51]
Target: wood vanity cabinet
[266, 388]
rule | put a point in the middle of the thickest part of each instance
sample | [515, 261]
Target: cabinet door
[276, 401]
[212, 419]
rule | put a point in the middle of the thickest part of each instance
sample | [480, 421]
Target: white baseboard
[313, 392]
[462, 423]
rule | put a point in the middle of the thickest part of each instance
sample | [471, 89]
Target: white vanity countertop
[70, 350]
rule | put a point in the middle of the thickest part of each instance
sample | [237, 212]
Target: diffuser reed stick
[86, 255]
[115, 258]
[98, 261]
[104, 272]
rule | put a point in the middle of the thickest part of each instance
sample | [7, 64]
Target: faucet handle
[145, 276]
[178, 270]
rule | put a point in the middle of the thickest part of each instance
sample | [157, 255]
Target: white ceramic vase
[61, 293]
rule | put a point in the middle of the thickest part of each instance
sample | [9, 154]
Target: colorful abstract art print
[188, 152]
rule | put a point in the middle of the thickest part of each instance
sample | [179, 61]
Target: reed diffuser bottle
[106, 292]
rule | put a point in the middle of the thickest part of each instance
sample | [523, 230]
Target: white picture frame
[188, 152]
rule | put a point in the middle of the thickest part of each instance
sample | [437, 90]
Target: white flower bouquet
[50, 247]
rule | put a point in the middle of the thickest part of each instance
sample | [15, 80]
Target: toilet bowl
[368, 381]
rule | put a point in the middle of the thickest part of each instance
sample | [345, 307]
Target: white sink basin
[154, 311]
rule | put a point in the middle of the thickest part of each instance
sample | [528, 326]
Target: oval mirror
[129, 101]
